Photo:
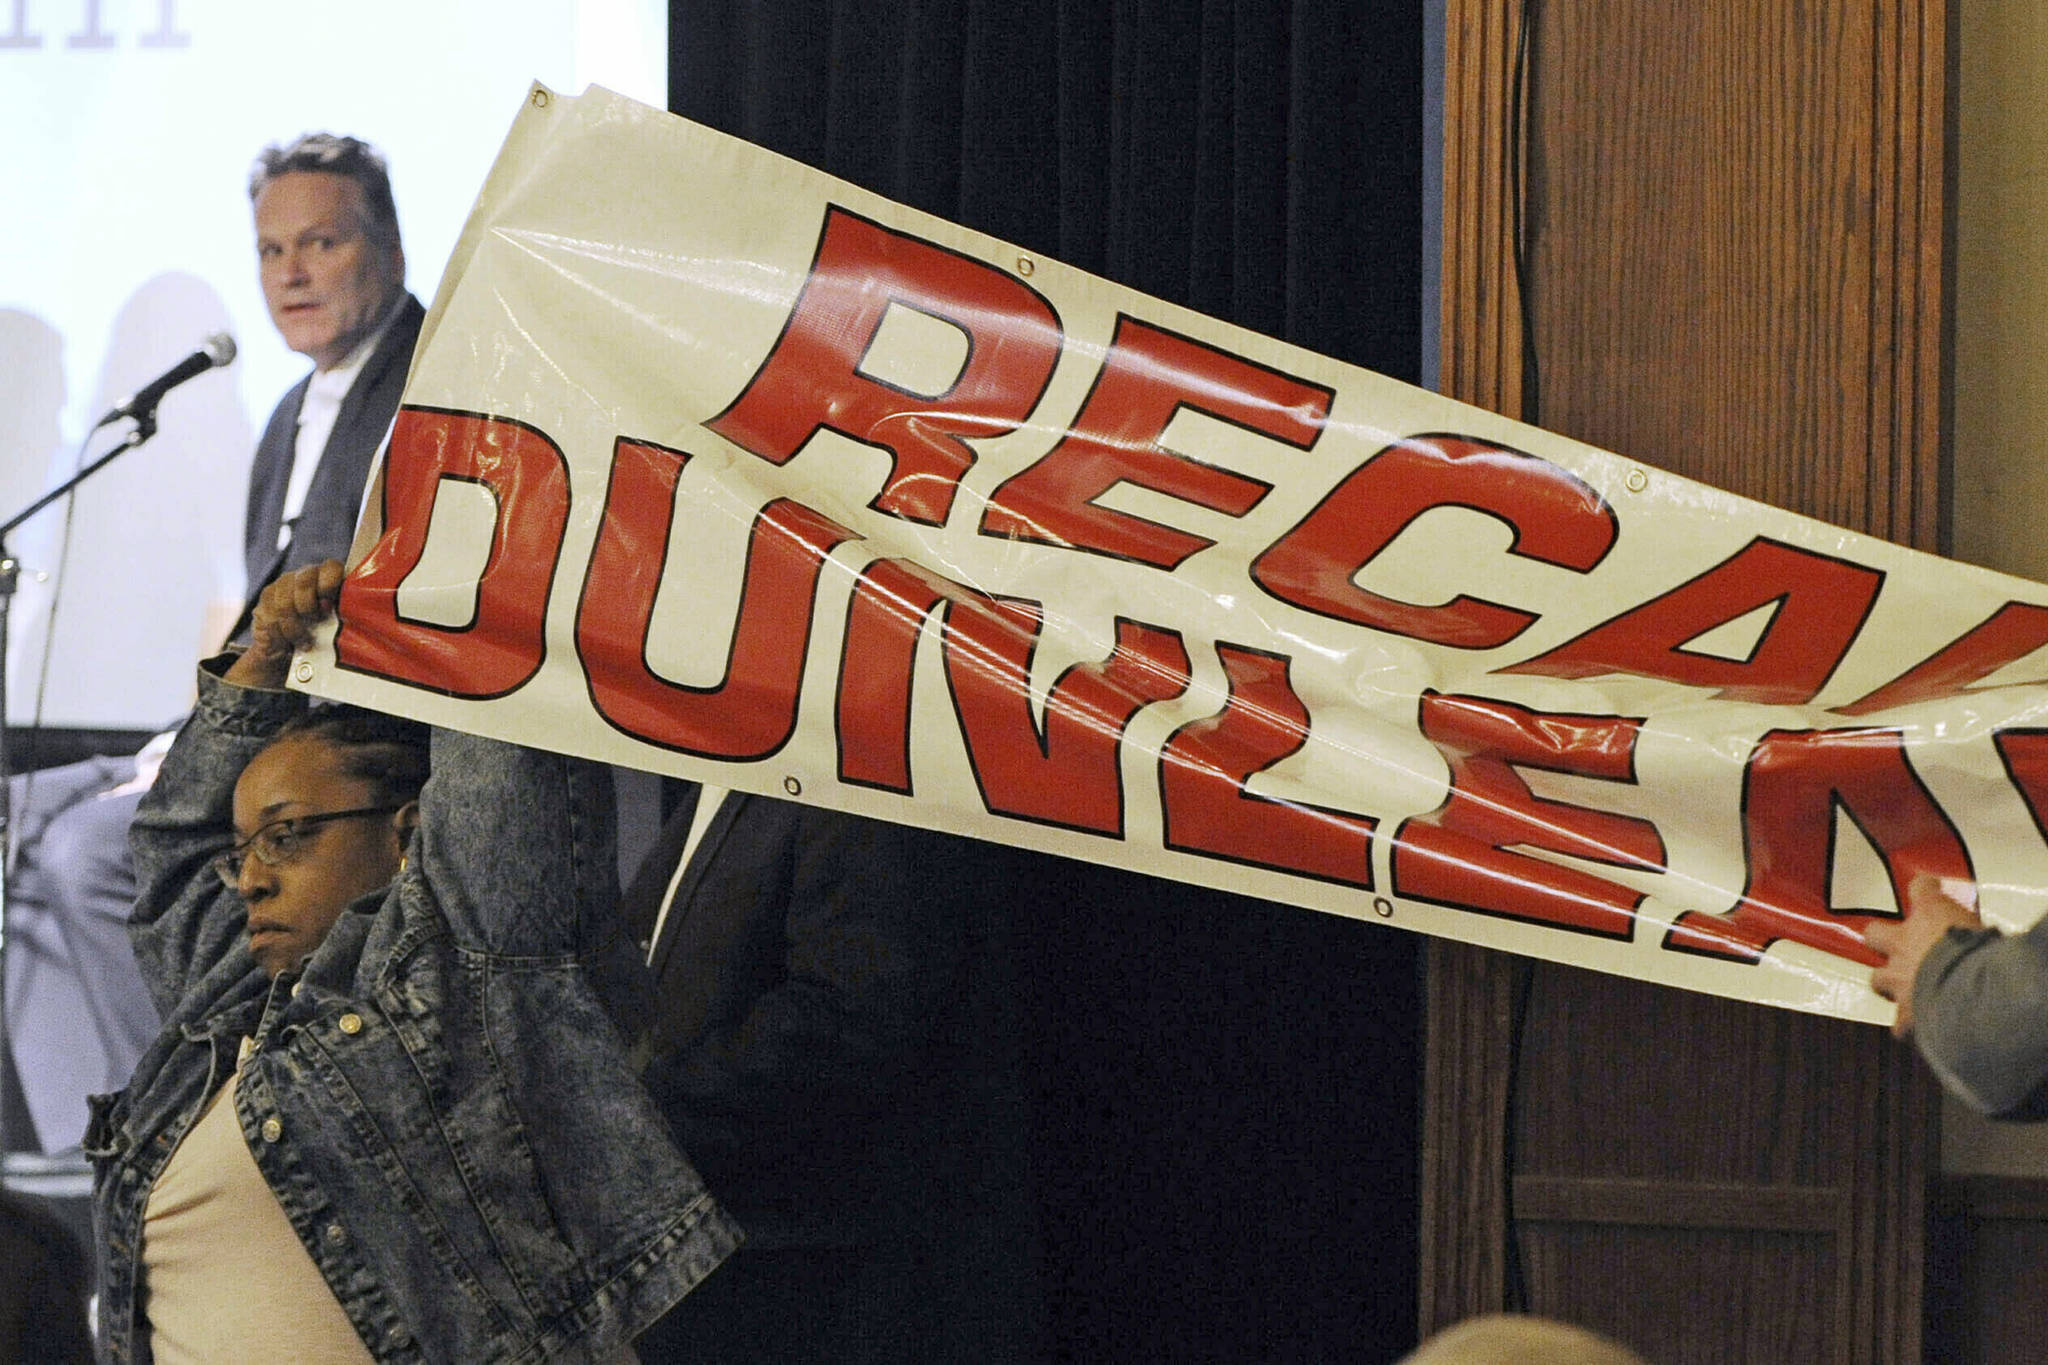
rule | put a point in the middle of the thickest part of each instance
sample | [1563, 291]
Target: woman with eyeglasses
[387, 1118]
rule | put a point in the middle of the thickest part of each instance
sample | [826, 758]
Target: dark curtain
[1226, 1123]
[1257, 160]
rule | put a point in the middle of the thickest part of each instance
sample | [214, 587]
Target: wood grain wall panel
[1481, 316]
[1735, 214]
[1469, 1005]
[1749, 195]
[1715, 1092]
[1688, 1297]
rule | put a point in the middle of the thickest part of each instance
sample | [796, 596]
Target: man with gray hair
[333, 275]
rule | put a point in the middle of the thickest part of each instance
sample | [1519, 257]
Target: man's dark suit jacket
[836, 1044]
[328, 523]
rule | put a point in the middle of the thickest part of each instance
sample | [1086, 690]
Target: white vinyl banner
[714, 465]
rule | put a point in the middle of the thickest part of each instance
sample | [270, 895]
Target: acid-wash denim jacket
[436, 1098]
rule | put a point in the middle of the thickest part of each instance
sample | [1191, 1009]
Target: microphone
[218, 350]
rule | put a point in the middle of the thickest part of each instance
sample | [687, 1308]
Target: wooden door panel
[1735, 243]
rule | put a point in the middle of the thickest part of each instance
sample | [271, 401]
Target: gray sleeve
[1980, 1016]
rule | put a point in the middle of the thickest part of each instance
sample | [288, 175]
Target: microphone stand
[10, 579]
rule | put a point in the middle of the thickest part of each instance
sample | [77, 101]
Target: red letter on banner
[1204, 766]
[2012, 632]
[1819, 604]
[814, 377]
[1069, 775]
[1795, 783]
[1069, 772]
[751, 712]
[1461, 854]
[1556, 518]
[504, 642]
[1148, 376]
[2025, 755]
[877, 661]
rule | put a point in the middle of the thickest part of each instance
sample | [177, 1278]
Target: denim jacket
[436, 1097]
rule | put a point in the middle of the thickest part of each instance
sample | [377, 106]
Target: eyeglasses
[282, 842]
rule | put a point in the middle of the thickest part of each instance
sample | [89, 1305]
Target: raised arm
[187, 926]
[516, 845]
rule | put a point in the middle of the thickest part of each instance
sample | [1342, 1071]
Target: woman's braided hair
[388, 752]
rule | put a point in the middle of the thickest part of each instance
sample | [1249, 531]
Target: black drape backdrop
[1226, 1116]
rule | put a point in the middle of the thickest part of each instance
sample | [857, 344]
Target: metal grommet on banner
[1025, 265]
[540, 99]
[303, 671]
[1382, 907]
[792, 786]
[1637, 481]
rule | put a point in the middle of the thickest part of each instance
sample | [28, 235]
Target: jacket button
[336, 1234]
[350, 1024]
[272, 1129]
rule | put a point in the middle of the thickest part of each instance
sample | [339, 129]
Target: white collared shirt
[317, 416]
[709, 798]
